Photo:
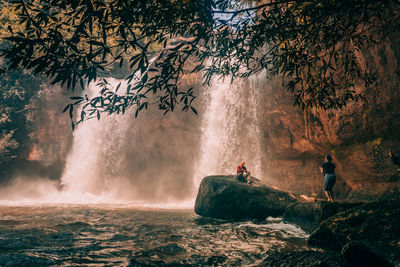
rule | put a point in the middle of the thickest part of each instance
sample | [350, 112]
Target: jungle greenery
[16, 90]
[314, 45]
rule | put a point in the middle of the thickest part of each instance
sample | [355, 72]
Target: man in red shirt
[242, 174]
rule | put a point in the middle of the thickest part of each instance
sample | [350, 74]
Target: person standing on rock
[328, 169]
[242, 174]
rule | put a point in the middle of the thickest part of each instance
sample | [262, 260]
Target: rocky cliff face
[359, 136]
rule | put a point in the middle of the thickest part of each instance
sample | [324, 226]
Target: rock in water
[309, 258]
[374, 226]
[223, 197]
[309, 215]
[357, 254]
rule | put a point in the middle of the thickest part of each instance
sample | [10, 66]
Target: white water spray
[150, 160]
[230, 129]
[144, 159]
[86, 174]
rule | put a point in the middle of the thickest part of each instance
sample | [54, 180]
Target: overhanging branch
[272, 3]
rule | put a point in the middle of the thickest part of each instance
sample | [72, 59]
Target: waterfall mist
[149, 158]
[155, 159]
[230, 129]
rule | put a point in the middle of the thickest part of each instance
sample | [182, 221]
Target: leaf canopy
[313, 45]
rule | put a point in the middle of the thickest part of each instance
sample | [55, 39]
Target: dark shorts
[329, 181]
[241, 178]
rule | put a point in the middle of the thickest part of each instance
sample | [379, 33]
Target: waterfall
[155, 159]
[95, 158]
[230, 129]
[152, 158]
[122, 158]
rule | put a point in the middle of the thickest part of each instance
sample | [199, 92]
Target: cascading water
[230, 129]
[155, 159]
[104, 153]
[85, 174]
[122, 158]
[147, 164]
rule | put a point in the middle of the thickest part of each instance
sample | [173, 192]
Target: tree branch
[29, 16]
[254, 8]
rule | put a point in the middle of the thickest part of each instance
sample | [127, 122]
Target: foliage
[7, 141]
[16, 90]
[314, 45]
[7, 145]
[7, 18]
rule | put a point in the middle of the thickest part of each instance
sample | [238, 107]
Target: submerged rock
[357, 254]
[309, 215]
[309, 258]
[165, 255]
[223, 197]
[375, 227]
[170, 249]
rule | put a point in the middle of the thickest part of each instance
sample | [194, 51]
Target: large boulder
[223, 197]
[308, 215]
[370, 231]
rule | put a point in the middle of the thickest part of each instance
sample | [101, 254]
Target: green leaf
[66, 108]
[71, 111]
[194, 110]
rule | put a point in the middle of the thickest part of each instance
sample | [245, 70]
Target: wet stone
[309, 258]
[369, 231]
[223, 197]
[309, 215]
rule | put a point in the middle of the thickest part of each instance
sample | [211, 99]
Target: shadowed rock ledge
[359, 234]
[223, 197]
[308, 258]
[365, 235]
[309, 215]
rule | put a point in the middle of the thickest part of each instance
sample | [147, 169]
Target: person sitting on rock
[394, 159]
[328, 169]
[242, 174]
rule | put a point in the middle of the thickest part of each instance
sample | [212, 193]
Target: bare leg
[248, 178]
[331, 194]
[327, 195]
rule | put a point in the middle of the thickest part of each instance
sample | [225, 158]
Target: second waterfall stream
[154, 159]
[230, 128]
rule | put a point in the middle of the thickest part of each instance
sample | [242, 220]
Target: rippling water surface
[121, 236]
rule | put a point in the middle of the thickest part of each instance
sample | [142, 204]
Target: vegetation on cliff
[25, 107]
[312, 44]
[322, 49]
[16, 89]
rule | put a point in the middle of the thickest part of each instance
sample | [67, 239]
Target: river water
[148, 160]
[101, 235]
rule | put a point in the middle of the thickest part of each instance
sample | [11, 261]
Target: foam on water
[41, 192]
[95, 236]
